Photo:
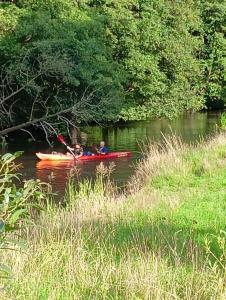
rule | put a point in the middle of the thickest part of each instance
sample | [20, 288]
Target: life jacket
[103, 150]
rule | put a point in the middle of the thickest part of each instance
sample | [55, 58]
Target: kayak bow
[69, 157]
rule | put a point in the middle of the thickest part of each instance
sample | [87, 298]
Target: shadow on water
[125, 136]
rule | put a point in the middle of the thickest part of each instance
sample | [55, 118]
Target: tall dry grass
[105, 245]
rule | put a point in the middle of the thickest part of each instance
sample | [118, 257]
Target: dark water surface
[127, 136]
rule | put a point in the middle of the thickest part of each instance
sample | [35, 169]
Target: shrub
[17, 204]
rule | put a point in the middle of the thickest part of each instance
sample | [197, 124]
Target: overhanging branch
[32, 122]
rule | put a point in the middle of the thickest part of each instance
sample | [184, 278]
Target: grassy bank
[163, 239]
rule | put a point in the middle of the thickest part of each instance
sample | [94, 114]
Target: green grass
[164, 239]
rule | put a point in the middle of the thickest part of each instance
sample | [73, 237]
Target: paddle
[62, 141]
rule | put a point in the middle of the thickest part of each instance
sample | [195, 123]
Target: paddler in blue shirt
[103, 150]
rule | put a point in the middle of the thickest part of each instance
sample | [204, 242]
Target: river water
[126, 136]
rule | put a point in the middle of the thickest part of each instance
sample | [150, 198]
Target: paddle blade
[61, 139]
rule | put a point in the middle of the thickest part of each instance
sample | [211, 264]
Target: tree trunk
[74, 135]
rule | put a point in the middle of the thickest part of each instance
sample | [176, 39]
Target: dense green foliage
[153, 43]
[213, 55]
[132, 59]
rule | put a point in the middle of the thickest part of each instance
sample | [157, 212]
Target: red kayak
[70, 157]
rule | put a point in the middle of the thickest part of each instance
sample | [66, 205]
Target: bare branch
[17, 91]
[33, 106]
[50, 105]
[51, 126]
[46, 134]
[27, 131]
[29, 123]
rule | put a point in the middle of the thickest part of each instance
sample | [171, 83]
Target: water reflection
[58, 172]
[129, 135]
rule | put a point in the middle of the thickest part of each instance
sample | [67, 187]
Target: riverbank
[163, 239]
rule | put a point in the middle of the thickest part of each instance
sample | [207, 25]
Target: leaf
[18, 153]
[6, 198]
[9, 228]
[16, 215]
[7, 156]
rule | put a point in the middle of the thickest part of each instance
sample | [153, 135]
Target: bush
[17, 204]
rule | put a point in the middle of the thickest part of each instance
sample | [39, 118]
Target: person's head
[102, 144]
[77, 146]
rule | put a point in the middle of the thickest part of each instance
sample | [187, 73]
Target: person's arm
[98, 150]
[81, 154]
[69, 148]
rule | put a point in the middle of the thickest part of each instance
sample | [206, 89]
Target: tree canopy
[107, 60]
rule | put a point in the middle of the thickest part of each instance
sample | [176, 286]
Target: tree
[154, 42]
[54, 64]
[213, 15]
[134, 59]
